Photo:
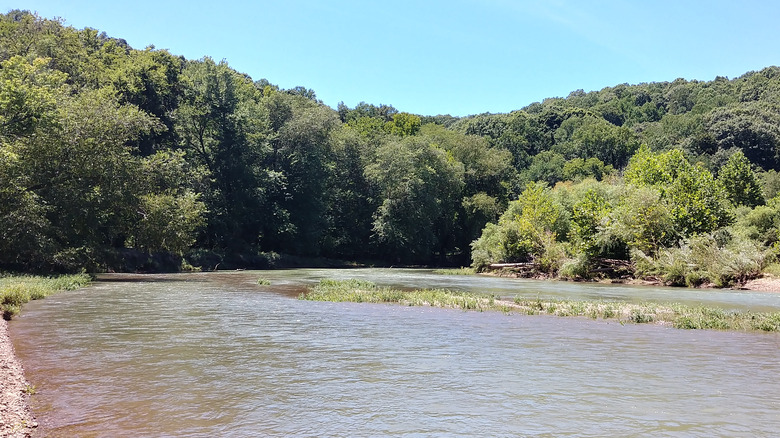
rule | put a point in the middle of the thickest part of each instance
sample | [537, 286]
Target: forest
[115, 158]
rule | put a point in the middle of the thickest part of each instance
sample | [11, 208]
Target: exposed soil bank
[16, 420]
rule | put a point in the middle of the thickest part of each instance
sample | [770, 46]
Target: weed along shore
[672, 314]
[16, 419]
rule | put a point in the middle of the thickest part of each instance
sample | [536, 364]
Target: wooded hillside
[109, 154]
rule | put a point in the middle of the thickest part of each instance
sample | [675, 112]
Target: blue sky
[454, 57]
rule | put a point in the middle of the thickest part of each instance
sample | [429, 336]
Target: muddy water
[204, 355]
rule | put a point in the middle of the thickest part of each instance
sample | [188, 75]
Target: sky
[456, 57]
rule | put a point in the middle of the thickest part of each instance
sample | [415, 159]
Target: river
[213, 354]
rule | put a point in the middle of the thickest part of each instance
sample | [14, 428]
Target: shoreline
[766, 283]
[16, 418]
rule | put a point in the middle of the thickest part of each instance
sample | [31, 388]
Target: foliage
[526, 231]
[701, 260]
[696, 202]
[643, 221]
[106, 149]
[168, 223]
[739, 182]
[420, 184]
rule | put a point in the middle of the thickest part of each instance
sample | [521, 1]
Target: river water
[215, 355]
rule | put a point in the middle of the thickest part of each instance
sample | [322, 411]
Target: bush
[577, 268]
[702, 260]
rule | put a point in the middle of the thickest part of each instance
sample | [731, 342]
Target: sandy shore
[16, 420]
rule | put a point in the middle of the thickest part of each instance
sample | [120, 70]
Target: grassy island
[672, 314]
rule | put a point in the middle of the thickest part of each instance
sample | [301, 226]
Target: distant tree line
[108, 152]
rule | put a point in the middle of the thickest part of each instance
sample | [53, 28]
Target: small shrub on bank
[577, 268]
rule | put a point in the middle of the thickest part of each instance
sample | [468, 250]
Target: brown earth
[765, 284]
[16, 420]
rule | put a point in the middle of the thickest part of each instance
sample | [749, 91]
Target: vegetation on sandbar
[672, 314]
[18, 290]
[362, 291]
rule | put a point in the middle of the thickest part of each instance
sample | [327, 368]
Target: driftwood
[510, 265]
[520, 270]
[612, 268]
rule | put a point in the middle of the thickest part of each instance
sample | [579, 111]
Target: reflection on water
[202, 355]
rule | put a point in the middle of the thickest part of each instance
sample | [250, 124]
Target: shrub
[701, 259]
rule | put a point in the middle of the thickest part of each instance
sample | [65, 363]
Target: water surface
[202, 355]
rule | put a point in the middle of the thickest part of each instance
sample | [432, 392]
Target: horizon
[459, 58]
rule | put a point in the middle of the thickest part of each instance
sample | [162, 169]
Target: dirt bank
[765, 284]
[16, 420]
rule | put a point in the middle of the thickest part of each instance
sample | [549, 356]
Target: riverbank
[16, 419]
[766, 283]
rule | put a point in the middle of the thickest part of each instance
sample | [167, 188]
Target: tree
[350, 199]
[419, 185]
[600, 139]
[545, 167]
[525, 232]
[167, 222]
[739, 182]
[403, 124]
[753, 127]
[302, 151]
[589, 214]
[220, 129]
[643, 221]
[578, 169]
[696, 201]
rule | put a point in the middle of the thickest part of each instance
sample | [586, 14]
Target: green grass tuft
[456, 271]
[361, 291]
[15, 291]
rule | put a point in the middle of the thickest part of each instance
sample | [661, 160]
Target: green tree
[589, 215]
[350, 199]
[526, 231]
[739, 182]
[753, 127]
[644, 221]
[302, 156]
[404, 124]
[545, 167]
[218, 123]
[167, 222]
[578, 169]
[696, 201]
[420, 185]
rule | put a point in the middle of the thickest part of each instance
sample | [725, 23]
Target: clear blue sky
[454, 57]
